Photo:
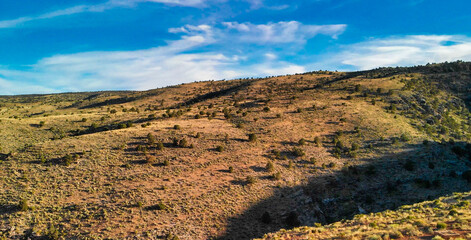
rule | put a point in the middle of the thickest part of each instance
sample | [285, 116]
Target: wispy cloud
[405, 51]
[270, 33]
[96, 8]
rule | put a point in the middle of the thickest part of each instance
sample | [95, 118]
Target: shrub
[441, 225]
[298, 152]
[176, 127]
[355, 146]
[198, 135]
[277, 176]
[317, 141]
[150, 159]
[270, 167]
[231, 169]
[23, 205]
[183, 143]
[41, 123]
[266, 109]
[252, 137]
[405, 137]
[299, 110]
[302, 141]
[220, 148]
[166, 162]
[251, 180]
[160, 145]
[83, 120]
[150, 139]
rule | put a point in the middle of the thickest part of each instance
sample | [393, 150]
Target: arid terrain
[242, 158]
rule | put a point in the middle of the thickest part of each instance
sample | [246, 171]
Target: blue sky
[61, 46]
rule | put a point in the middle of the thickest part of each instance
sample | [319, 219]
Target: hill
[233, 159]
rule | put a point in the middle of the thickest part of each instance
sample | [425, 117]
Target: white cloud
[405, 51]
[166, 65]
[282, 32]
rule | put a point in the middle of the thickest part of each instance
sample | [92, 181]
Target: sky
[52, 46]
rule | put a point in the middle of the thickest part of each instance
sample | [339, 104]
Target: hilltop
[233, 159]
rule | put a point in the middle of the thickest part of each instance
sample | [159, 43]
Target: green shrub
[183, 143]
[302, 141]
[441, 225]
[252, 137]
[298, 152]
[251, 180]
[277, 176]
[150, 139]
[270, 167]
[166, 162]
[266, 109]
[231, 169]
[176, 127]
[23, 205]
[220, 148]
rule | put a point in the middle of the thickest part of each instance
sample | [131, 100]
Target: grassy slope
[82, 173]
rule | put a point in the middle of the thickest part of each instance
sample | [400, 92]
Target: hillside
[443, 218]
[233, 159]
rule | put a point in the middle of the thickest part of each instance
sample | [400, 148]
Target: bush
[302, 141]
[251, 180]
[270, 167]
[150, 139]
[176, 127]
[183, 143]
[317, 141]
[83, 120]
[277, 176]
[252, 137]
[231, 169]
[41, 123]
[23, 205]
[405, 137]
[166, 162]
[160, 145]
[441, 225]
[220, 148]
[298, 152]
[266, 109]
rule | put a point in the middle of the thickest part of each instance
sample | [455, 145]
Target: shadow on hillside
[418, 173]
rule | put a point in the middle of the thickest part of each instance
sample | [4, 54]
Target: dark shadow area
[217, 94]
[418, 173]
[8, 209]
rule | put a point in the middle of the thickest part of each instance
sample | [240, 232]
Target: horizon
[138, 45]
